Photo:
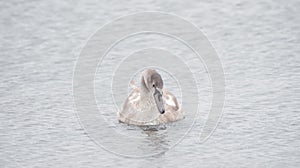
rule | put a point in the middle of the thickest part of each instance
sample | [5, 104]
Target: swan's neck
[149, 112]
[145, 92]
[147, 99]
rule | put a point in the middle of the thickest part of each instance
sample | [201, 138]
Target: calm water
[257, 42]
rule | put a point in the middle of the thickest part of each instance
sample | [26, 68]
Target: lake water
[256, 41]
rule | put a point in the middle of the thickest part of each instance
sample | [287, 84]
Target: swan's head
[154, 84]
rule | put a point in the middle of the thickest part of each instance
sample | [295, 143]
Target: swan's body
[150, 104]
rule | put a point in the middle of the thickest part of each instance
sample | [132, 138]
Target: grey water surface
[257, 43]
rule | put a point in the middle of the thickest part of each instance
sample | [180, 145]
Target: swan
[150, 104]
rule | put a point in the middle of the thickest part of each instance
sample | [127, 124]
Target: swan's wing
[173, 108]
[133, 85]
[130, 106]
[170, 100]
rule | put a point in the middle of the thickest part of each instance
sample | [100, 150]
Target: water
[257, 42]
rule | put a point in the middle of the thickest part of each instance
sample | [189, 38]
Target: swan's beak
[159, 101]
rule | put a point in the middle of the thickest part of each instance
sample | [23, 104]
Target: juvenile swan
[150, 104]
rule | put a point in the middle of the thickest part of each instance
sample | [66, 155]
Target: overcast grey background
[257, 42]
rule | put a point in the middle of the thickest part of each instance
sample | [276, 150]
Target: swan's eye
[153, 85]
